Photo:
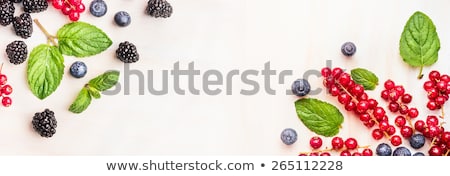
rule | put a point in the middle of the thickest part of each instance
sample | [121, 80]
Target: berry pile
[5, 89]
[432, 129]
[353, 97]
[398, 103]
[345, 148]
[438, 89]
[72, 8]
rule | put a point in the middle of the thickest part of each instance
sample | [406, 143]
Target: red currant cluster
[438, 89]
[433, 130]
[5, 89]
[398, 101]
[338, 144]
[72, 8]
[353, 97]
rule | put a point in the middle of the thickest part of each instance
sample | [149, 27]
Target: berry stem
[331, 149]
[420, 76]
[442, 113]
[1, 67]
[50, 38]
[448, 152]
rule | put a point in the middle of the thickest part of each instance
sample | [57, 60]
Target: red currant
[362, 106]
[435, 151]
[400, 121]
[446, 137]
[6, 101]
[351, 143]
[3, 79]
[80, 8]
[432, 93]
[314, 154]
[391, 130]
[441, 86]
[403, 109]
[432, 120]
[66, 10]
[344, 98]
[334, 90]
[428, 85]
[445, 78]
[302, 154]
[389, 84]
[350, 106]
[379, 112]
[326, 72]
[74, 16]
[75, 2]
[58, 4]
[394, 96]
[440, 100]
[406, 98]
[377, 134]
[372, 103]
[432, 105]
[325, 154]
[363, 96]
[337, 143]
[406, 131]
[396, 140]
[357, 90]
[400, 90]
[413, 112]
[6, 89]
[369, 124]
[367, 152]
[315, 142]
[434, 75]
[336, 72]
[356, 154]
[346, 153]
[385, 94]
[364, 117]
[344, 79]
[383, 125]
[393, 106]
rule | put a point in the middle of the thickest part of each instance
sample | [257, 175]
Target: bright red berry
[428, 85]
[66, 10]
[326, 72]
[372, 103]
[377, 134]
[74, 16]
[325, 154]
[393, 106]
[6, 89]
[383, 125]
[364, 117]
[314, 154]
[434, 75]
[432, 105]
[344, 79]
[389, 84]
[391, 130]
[75, 2]
[362, 106]
[315, 142]
[344, 98]
[403, 109]
[400, 121]
[406, 131]
[396, 140]
[413, 112]
[432, 120]
[445, 78]
[406, 98]
[440, 100]
[336, 72]
[337, 143]
[379, 112]
[356, 154]
[351, 143]
[346, 153]
[350, 106]
[58, 4]
[419, 125]
[357, 90]
[435, 151]
[367, 152]
[385, 94]
[400, 90]
[6, 101]
[80, 8]
[3, 79]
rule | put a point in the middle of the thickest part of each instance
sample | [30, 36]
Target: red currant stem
[448, 152]
[71, 6]
[420, 76]
[331, 149]
[1, 67]
[442, 113]
[407, 117]
[50, 38]
[368, 112]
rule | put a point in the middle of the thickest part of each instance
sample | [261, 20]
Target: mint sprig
[419, 43]
[46, 64]
[92, 90]
[365, 78]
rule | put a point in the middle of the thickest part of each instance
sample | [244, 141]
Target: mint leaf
[365, 78]
[44, 70]
[105, 81]
[81, 39]
[100, 83]
[320, 117]
[419, 43]
[94, 92]
[82, 102]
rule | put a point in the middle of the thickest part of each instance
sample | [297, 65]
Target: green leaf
[365, 78]
[105, 81]
[81, 39]
[44, 70]
[419, 43]
[82, 101]
[94, 92]
[320, 117]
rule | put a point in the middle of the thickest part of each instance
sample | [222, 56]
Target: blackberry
[127, 52]
[17, 52]
[45, 123]
[34, 6]
[6, 12]
[159, 8]
[23, 25]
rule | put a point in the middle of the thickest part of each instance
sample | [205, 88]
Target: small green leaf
[419, 43]
[105, 81]
[94, 92]
[81, 39]
[44, 70]
[320, 117]
[82, 101]
[365, 78]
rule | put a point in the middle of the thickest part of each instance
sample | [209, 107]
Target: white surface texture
[298, 35]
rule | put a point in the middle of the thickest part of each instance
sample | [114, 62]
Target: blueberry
[289, 136]
[384, 150]
[417, 141]
[348, 49]
[301, 87]
[419, 154]
[401, 151]
[122, 18]
[98, 8]
[78, 69]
